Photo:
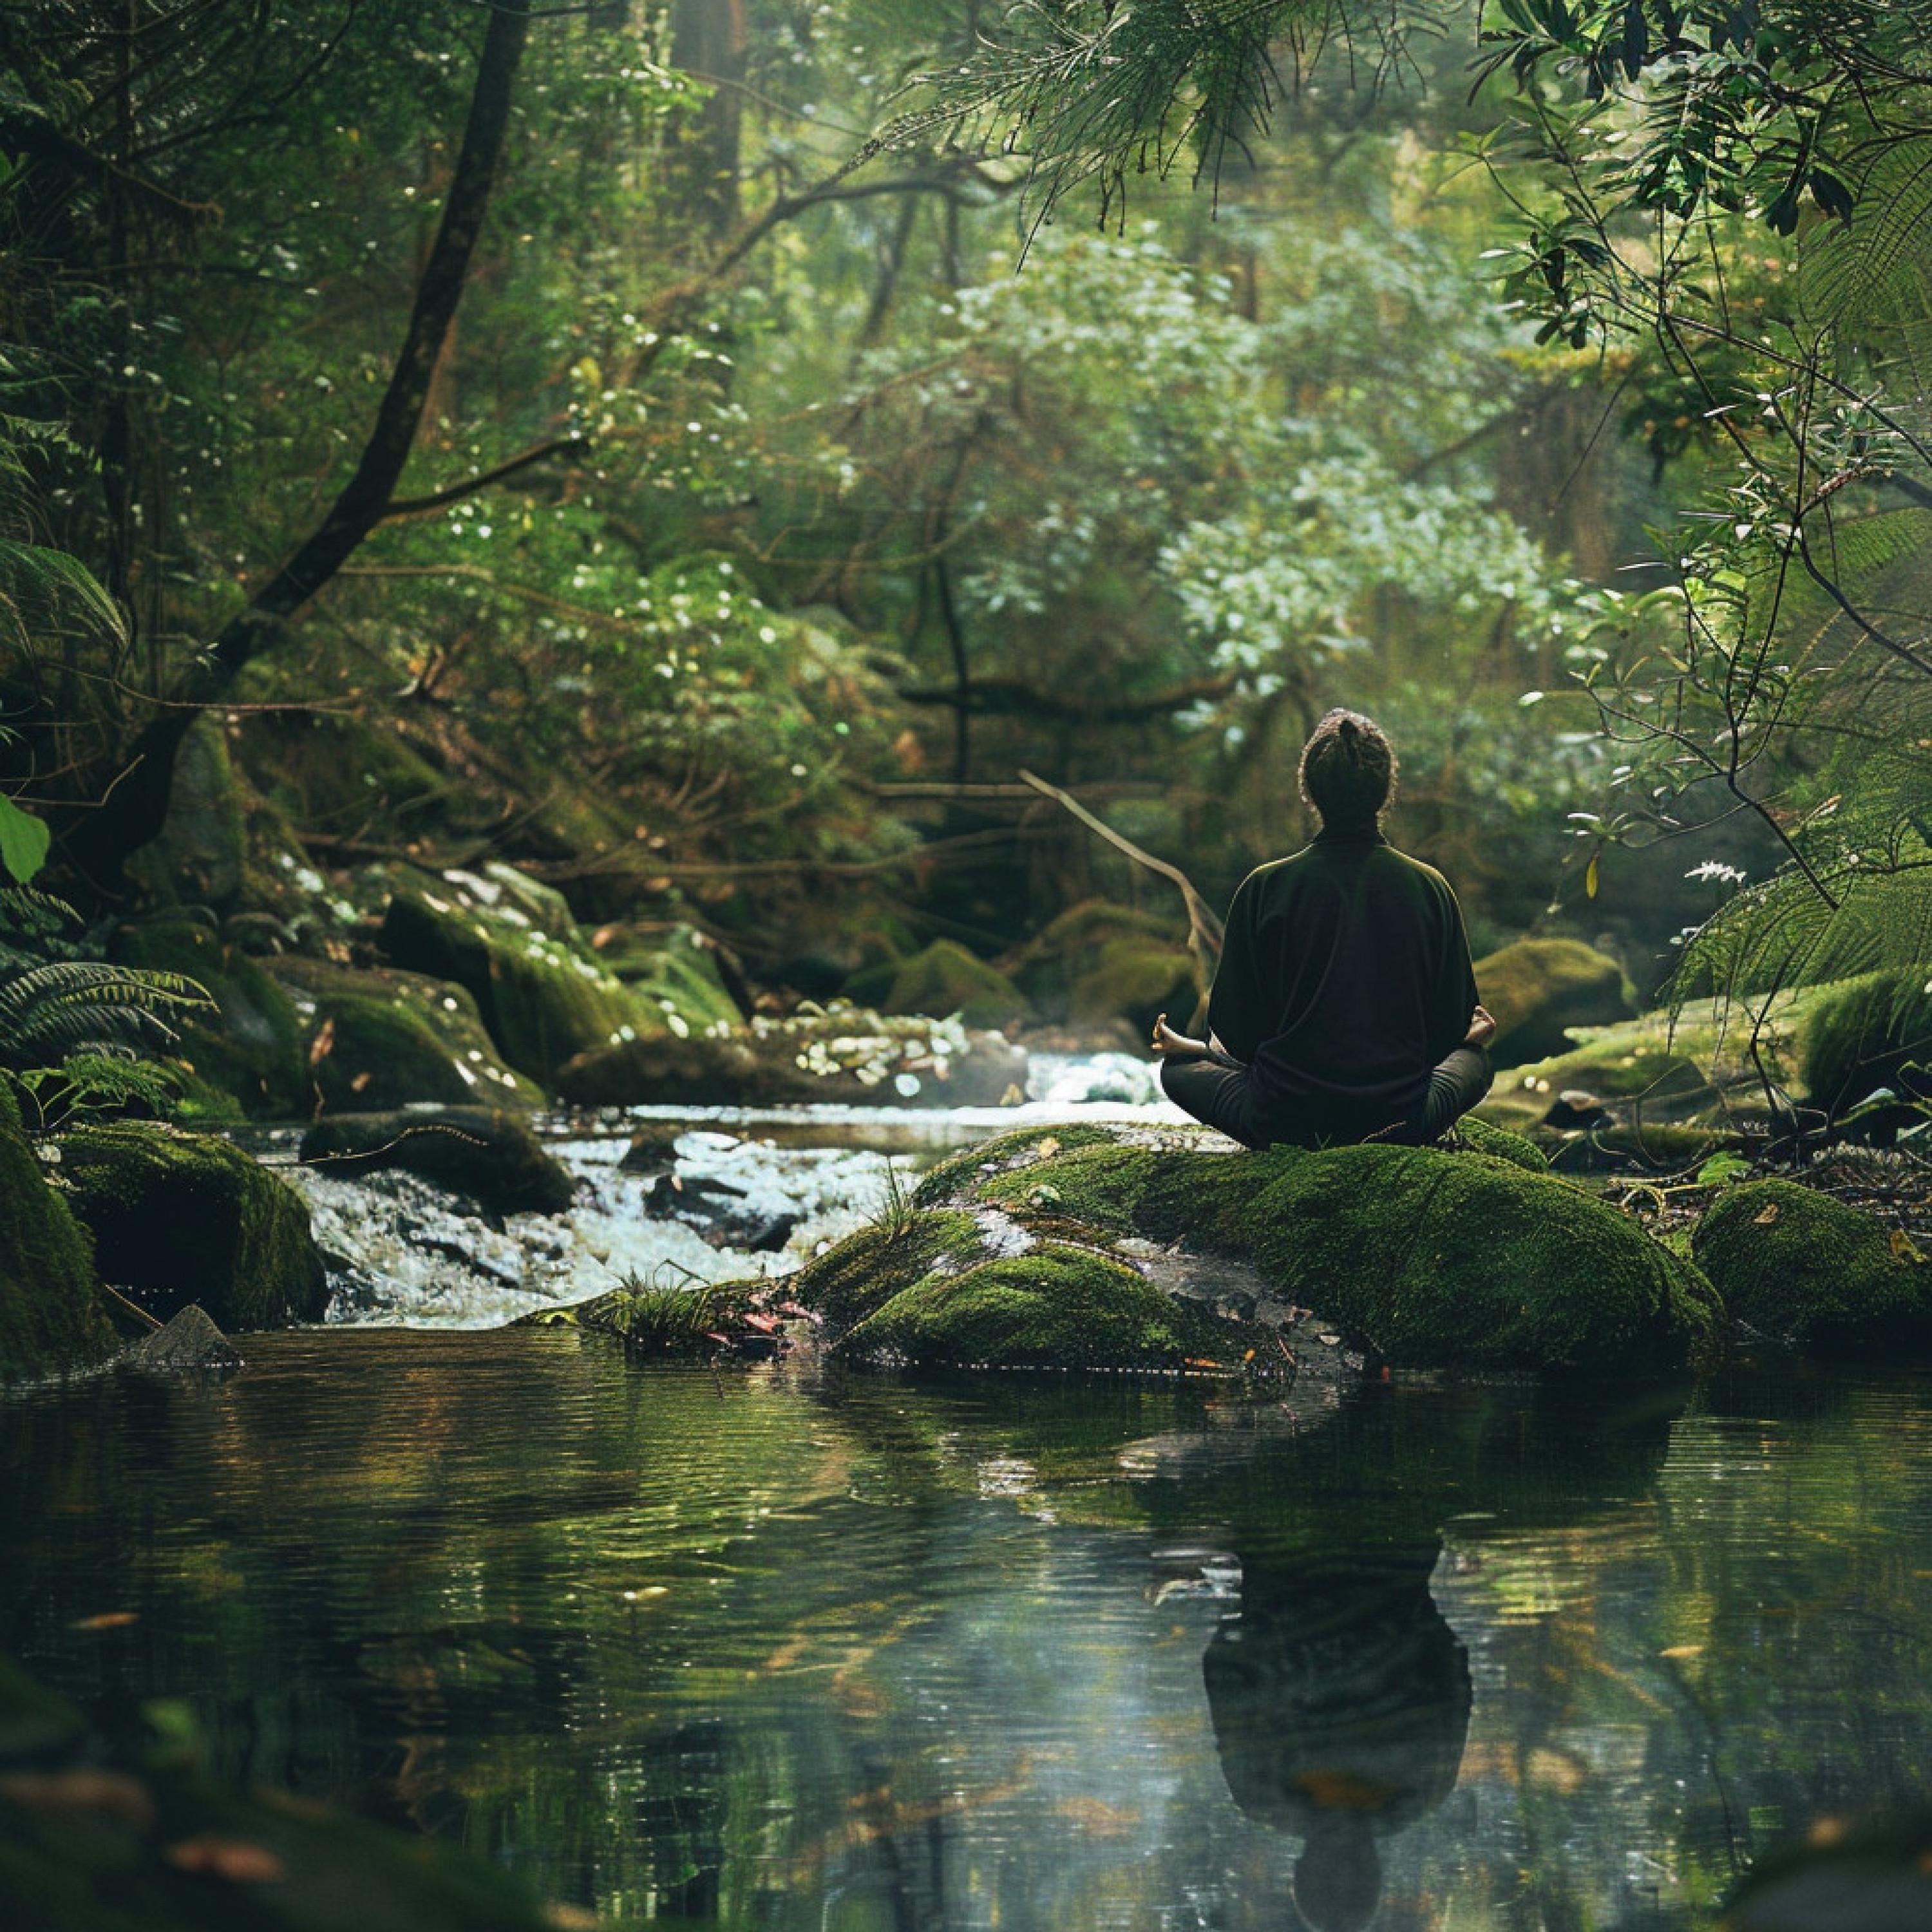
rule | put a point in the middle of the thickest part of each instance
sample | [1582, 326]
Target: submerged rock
[490, 1155]
[381, 1039]
[179, 1217]
[52, 1320]
[1804, 1269]
[842, 1058]
[1538, 988]
[190, 1340]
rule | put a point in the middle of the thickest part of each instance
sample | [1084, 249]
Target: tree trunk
[709, 41]
[98, 839]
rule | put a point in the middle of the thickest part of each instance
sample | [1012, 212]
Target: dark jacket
[1345, 977]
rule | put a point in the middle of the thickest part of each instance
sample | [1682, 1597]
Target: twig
[1204, 934]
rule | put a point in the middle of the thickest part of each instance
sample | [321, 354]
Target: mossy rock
[943, 979]
[98, 1835]
[178, 1217]
[1500, 1143]
[201, 855]
[1098, 961]
[332, 772]
[1538, 988]
[1805, 1269]
[52, 1319]
[842, 1057]
[542, 1003]
[679, 975]
[1862, 1032]
[489, 1155]
[375, 1040]
[254, 1047]
[1427, 1258]
[1059, 1306]
[543, 998]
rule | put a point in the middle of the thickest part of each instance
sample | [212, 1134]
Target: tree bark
[98, 839]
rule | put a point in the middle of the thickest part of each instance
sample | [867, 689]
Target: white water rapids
[734, 1192]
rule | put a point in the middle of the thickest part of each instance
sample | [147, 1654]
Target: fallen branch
[1204, 934]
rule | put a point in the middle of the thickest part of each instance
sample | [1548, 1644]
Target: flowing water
[784, 1648]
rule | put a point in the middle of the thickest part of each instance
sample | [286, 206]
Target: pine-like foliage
[1093, 92]
[56, 1003]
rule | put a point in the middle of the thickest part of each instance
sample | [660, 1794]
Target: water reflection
[1340, 1699]
[865, 1655]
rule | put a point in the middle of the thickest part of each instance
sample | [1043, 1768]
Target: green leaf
[24, 840]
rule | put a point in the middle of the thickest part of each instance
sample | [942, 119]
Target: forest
[641, 640]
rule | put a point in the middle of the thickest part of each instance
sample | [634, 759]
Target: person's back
[1344, 1008]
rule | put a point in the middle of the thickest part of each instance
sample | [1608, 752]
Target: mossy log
[52, 1320]
[1538, 988]
[841, 1057]
[179, 1217]
[490, 1155]
[100, 1837]
[1804, 1269]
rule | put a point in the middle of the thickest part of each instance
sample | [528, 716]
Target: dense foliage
[588, 440]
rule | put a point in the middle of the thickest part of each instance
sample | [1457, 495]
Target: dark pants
[1214, 1088]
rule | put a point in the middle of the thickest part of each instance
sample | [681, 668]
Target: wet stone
[190, 1341]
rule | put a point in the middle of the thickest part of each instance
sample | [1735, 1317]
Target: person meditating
[1345, 1009]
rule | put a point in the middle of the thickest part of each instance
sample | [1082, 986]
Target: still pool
[781, 1649]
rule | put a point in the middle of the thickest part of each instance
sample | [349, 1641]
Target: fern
[56, 1003]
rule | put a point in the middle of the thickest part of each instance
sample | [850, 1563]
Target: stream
[788, 1647]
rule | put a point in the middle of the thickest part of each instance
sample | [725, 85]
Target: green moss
[376, 1040]
[952, 1176]
[179, 1217]
[1058, 1307]
[1862, 1032]
[1426, 1258]
[679, 975]
[853, 1278]
[1538, 988]
[943, 980]
[489, 1155]
[51, 1316]
[255, 1049]
[1805, 1269]
[201, 856]
[1499, 1144]
[1099, 962]
[92, 1832]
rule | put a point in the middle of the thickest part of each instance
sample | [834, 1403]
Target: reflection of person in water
[1340, 1700]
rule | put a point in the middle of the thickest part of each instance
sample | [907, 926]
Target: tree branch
[1008, 698]
[415, 506]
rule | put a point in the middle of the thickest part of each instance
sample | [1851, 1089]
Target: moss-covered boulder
[100, 1834]
[52, 1320]
[943, 980]
[1862, 1034]
[543, 998]
[489, 1155]
[200, 857]
[1424, 1257]
[841, 1057]
[1803, 1268]
[180, 1217]
[1538, 988]
[376, 1039]
[253, 1047]
[1098, 962]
